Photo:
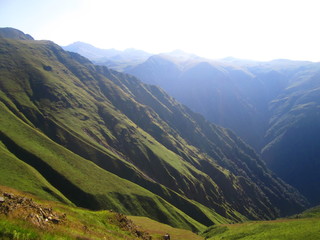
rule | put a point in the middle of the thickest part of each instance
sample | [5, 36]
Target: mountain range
[89, 136]
[112, 58]
[273, 106]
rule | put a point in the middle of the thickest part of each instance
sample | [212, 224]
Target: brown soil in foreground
[20, 207]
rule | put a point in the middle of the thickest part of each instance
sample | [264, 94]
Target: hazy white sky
[251, 29]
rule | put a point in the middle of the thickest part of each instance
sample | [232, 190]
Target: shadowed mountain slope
[274, 106]
[103, 139]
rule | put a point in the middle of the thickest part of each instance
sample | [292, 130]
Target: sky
[248, 29]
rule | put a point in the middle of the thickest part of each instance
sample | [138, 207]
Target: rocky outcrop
[25, 208]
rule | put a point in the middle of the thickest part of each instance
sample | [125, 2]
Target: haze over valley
[273, 106]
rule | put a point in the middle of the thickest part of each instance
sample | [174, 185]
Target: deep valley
[240, 151]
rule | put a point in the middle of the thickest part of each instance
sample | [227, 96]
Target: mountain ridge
[120, 129]
[263, 102]
[117, 59]
[13, 33]
[247, 96]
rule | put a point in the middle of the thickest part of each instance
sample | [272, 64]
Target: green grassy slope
[120, 144]
[22, 176]
[86, 137]
[279, 230]
[301, 226]
[312, 212]
[18, 222]
[79, 180]
[158, 230]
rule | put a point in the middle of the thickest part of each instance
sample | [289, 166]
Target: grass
[12, 229]
[310, 213]
[85, 224]
[69, 96]
[281, 229]
[21, 176]
[158, 230]
[80, 224]
[107, 190]
[57, 114]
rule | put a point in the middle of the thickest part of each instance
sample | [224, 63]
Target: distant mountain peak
[178, 51]
[79, 43]
[180, 54]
